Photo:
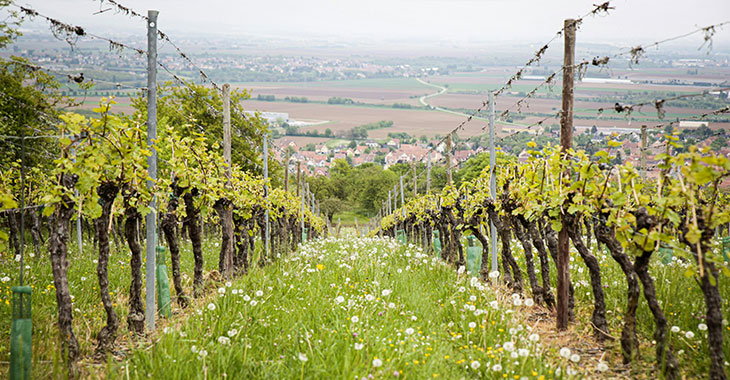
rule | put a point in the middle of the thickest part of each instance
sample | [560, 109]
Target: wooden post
[566, 141]
[300, 183]
[299, 175]
[415, 183]
[402, 198]
[225, 261]
[286, 175]
[643, 152]
[492, 184]
[267, 232]
[428, 174]
[227, 126]
[390, 207]
[448, 159]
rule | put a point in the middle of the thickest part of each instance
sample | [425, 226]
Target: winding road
[441, 91]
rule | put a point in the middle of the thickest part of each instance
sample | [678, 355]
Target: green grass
[347, 218]
[88, 313]
[298, 312]
[325, 313]
[679, 296]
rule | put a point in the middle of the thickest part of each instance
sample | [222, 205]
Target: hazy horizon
[458, 22]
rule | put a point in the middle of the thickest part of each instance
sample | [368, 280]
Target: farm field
[465, 91]
[343, 117]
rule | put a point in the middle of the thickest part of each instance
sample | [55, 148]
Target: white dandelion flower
[702, 327]
[675, 329]
[359, 346]
[211, 306]
[565, 352]
[303, 357]
[355, 319]
[377, 363]
[475, 364]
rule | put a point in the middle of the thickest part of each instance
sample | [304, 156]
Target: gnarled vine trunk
[548, 296]
[551, 237]
[665, 357]
[600, 325]
[14, 235]
[224, 207]
[168, 225]
[58, 249]
[105, 339]
[710, 286]
[537, 291]
[135, 318]
[629, 340]
[666, 361]
[191, 220]
[35, 230]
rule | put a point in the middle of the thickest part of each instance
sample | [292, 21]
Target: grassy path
[348, 309]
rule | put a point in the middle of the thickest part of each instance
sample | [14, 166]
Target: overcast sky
[631, 23]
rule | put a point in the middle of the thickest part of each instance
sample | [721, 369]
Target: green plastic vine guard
[304, 234]
[163, 284]
[21, 331]
[726, 248]
[473, 257]
[436, 242]
[401, 236]
[666, 255]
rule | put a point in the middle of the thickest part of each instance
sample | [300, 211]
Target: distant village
[318, 161]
